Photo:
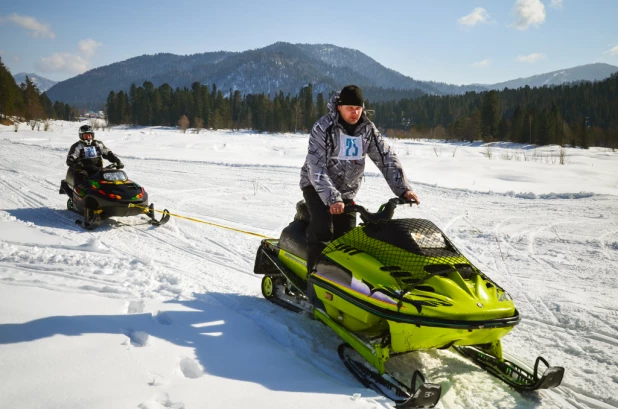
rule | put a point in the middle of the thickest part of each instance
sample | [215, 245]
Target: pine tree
[321, 106]
[549, 130]
[11, 102]
[490, 115]
[308, 107]
[133, 100]
[503, 130]
[111, 109]
[59, 110]
[583, 136]
[236, 109]
[46, 106]
[474, 125]
[559, 126]
[32, 106]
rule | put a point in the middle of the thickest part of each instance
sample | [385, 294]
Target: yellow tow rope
[146, 209]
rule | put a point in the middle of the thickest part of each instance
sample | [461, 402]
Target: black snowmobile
[107, 192]
[392, 286]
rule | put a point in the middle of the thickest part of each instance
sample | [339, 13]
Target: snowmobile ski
[151, 213]
[513, 374]
[92, 219]
[425, 395]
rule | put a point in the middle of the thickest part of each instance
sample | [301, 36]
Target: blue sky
[453, 41]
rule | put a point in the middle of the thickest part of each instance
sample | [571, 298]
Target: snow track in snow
[557, 258]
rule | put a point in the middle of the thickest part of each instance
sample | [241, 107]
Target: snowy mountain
[589, 72]
[133, 316]
[42, 83]
[286, 67]
[280, 66]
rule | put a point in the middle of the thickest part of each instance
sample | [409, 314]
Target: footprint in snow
[138, 339]
[190, 368]
[161, 402]
[163, 319]
[136, 307]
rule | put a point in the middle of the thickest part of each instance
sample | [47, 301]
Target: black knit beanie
[351, 95]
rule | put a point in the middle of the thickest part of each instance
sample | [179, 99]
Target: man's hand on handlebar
[337, 208]
[411, 197]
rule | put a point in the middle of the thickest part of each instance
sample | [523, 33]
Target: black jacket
[90, 155]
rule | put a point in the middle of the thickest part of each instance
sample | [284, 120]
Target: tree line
[210, 107]
[580, 114]
[27, 102]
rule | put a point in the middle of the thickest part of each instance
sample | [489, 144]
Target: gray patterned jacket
[335, 170]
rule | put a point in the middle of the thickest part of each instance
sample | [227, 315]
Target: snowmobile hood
[117, 186]
[410, 267]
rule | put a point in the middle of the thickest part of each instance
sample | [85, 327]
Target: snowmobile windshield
[429, 239]
[114, 176]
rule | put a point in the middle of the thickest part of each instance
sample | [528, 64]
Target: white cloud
[478, 15]
[62, 62]
[88, 47]
[36, 28]
[556, 4]
[531, 58]
[483, 63]
[612, 51]
[528, 13]
[72, 63]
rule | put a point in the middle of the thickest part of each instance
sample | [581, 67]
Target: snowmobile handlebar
[79, 166]
[385, 212]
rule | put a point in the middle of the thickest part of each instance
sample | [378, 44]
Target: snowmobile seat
[294, 238]
[70, 176]
[302, 212]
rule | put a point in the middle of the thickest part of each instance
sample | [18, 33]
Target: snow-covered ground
[133, 316]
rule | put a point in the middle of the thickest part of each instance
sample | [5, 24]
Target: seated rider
[85, 155]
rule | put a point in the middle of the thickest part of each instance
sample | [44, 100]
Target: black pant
[81, 178]
[323, 226]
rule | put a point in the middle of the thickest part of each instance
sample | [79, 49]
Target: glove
[119, 165]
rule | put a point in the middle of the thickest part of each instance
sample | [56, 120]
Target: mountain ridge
[280, 66]
[586, 72]
[42, 83]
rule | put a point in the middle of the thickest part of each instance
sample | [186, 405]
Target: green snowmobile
[392, 286]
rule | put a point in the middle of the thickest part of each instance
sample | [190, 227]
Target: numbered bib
[350, 147]
[90, 152]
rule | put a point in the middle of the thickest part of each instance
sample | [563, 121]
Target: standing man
[335, 165]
